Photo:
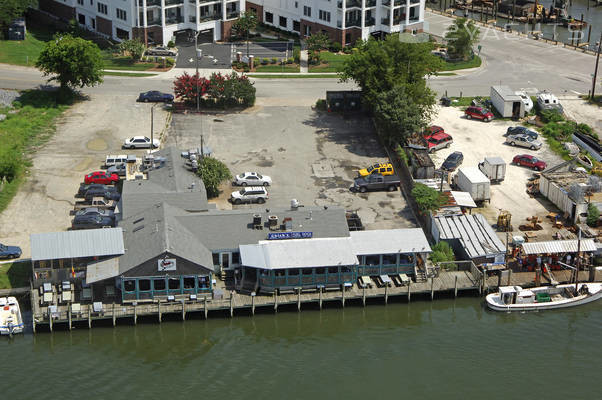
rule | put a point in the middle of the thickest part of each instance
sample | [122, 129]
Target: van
[112, 160]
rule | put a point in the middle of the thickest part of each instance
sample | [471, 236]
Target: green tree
[74, 62]
[442, 252]
[399, 114]
[315, 44]
[427, 199]
[243, 25]
[133, 47]
[380, 65]
[593, 214]
[213, 172]
[461, 37]
[12, 9]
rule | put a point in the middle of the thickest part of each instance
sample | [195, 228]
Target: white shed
[507, 102]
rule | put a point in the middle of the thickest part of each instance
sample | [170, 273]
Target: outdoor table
[386, 280]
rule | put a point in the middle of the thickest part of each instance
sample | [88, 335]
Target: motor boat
[515, 298]
[10, 316]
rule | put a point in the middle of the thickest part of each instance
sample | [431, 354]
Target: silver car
[523, 141]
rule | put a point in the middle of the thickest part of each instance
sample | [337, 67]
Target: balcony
[210, 17]
[351, 4]
[150, 3]
[353, 22]
[385, 21]
[399, 20]
[232, 14]
[370, 21]
[173, 2]
[370, 3]
[151, 22]
[386, 3]
[174, 20]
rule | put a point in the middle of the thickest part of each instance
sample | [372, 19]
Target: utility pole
[152, 126]
[196, 56]
[596, 69]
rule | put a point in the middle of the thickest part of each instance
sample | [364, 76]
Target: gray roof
[495, 160]
[76, 244]
[390, 241]
[171, 183]
[506, 93]
[476, 236]
[155, 231]
[559, 246]
[222, 230]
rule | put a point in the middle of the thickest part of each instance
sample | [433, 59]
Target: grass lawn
[129, 74]
[22, 132]
[454, 66]
[277, 68]
[297, 76]
[123, 63]
[25, 52]
[465, 101]
[14, 275]
[335, 61]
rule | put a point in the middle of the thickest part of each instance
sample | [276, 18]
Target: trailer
[507, 102]
[493, 168]
[473, 181]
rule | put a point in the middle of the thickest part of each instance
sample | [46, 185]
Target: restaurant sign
[290, 235]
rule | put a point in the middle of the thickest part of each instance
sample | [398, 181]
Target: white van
[112, 160]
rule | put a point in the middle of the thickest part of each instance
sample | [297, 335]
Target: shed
[421, 165]
[559, 246]
[507, 102]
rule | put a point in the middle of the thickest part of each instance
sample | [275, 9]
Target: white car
[250, 194]
[526, 101]
[140, 142]
[252, 179]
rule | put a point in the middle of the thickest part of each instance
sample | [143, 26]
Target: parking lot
[310, 156]
[477, 140]
[85, 135]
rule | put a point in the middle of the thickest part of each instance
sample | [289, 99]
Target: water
[452, 349]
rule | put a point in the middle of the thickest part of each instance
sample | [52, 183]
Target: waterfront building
[151, 21]
[344, 21]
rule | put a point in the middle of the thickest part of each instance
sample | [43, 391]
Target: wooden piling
[69, 316]
[33, 323]
[320, 301]
[50, 319]
[159, 310]
[432, 288]
[113, 311]
[299, 299]
[89, 317]
[509, 277]
[135, 314]
[456, 287]
[276, 301]
[409, 290]
[231, 304]
[205, 306]
[183, 310]
[252, 305]
[343, 297]
[364, 296]
[386, 294]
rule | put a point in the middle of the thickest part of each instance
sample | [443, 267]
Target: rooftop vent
[273, 222]
[257, 221]
[294, 204]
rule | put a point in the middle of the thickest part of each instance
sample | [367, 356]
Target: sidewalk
[303, 57]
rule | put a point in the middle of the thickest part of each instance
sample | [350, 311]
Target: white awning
[464, 199]
[558, 246]
[102, 270]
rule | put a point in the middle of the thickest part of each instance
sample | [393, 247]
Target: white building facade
[344, 21]
[152, 21]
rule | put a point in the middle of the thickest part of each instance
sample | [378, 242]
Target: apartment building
[152, 21]
[344, 21]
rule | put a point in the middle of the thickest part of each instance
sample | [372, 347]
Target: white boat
[515, 298]
[10, 316]
[526, 101]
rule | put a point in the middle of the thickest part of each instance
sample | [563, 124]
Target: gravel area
[7, 97]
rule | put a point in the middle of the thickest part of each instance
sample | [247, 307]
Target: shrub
[442, 252]
[402, 154]
[274, 60]
[213, 172]
[171, 44]
[133, 47]
[593, 214]
[265, 61]
[550, 116]
[321, 104]
[335, 47]
[9, 165]
[296, 55]
[170, 61]
[290, 60]
[427, 199]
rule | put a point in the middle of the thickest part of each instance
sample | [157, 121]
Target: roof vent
[294, 204]
[257, 221]
[273, 222]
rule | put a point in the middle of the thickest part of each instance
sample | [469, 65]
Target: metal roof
[463, 199]
[102, 270]
[474, 233]
[389, 241]
[558, 246]
[76, 244]
[506, 93]
[474, 175]
[495, 160]
[298, 253]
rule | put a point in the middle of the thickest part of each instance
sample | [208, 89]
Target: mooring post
[343, 297]
[364, 296]
[253, 303]
[276, 300]
[456, 287]
[409, 290]
[135, 313]
[69, 316]
[89, 317]
[432, 290]
[205, 306]
[299, 299]
[113, 311]
[499, 280]
[33, 323]
[509, 276]
[386, 294]
[231, 304]
[320, 301]
[183, 310]
[159, 310]
[50, 319]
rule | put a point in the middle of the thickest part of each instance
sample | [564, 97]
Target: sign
[166, 264]
[290, 235]
[499, 259]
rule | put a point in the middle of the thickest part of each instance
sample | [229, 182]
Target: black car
[101, 192]
[96, 211]
[10, 251]
[91, 222]
[521, 130]
[452, 161]
[156, 97]
[83, 188]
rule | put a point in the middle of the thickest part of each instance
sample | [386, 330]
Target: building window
[103, 9]
[174, 283]
[283, 22]
[293, 272]
[129, 285]
[80, 2]
[93, 21]
[307, 11]
[269, 17]
[333, 270]
[236, 257]
[189, 282]
[296, 4]
[324, 15]
[144, 285]
[389, 259]
[296, 26]
[159, 284]
[121, 34]
[307, 30]
[215, 258]
[121, 14]
[81, 18]
[373, 259]
[91, 2]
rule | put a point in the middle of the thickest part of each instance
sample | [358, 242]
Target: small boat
[515, 298]
[10, 316]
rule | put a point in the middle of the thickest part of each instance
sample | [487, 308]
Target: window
[121, 14]
[129, 285]
[320, 271]
[102, 8]
[296, 4]
[293, 271]
[80, 2]
[144, 285]
[307, 271]
[406, 259]
[203, 282]
[279, 272]
[93, 21]
[307, 30]
[269, 17]
[283, 22]
[324, 15]
[159, 284]
[296, 26]
[236, 257]
[307, 11]
[215, 258]
[189, 282]
[81, 19]
[389, 259]
[174, 283]
[373, 259]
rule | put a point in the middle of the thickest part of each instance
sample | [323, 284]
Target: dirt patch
[97, 144]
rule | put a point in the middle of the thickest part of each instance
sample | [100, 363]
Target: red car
[478, 113]
[101, 177]
[433, 130]
[529, 161]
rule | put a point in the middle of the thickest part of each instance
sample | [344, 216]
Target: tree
[427, 199]
[442, 253]
[461, 38]
[213, 172]
[379, 66]
[75, 62]
[185, 87]
[593, 214]
[12, 9]
[134, 47]
[315, 44]
[242, 26]
[398, 114]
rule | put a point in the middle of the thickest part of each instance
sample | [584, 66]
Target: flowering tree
[222, 91]
[185, 87]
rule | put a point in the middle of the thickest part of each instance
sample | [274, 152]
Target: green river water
[446, 349]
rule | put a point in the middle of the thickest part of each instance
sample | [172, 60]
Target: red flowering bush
[221, 91]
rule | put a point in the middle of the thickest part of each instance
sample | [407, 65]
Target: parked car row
[254, 188]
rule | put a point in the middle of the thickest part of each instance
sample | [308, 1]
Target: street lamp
[197, 54]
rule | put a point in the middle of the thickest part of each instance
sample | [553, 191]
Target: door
[516, 109]
[224, 260]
